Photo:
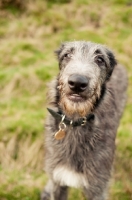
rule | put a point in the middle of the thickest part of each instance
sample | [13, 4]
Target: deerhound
[87, 101]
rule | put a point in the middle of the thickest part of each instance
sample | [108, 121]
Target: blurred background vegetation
[30, 30]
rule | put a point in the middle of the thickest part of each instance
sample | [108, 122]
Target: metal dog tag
[61, 133]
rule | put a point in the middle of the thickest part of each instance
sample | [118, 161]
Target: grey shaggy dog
[87, 100]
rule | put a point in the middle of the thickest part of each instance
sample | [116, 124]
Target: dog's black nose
[78, 83]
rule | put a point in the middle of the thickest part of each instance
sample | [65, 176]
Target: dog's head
[85, 67]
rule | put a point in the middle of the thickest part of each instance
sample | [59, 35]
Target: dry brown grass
[17, 3]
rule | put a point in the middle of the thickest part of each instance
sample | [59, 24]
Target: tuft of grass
[21, 185]
[12, 5]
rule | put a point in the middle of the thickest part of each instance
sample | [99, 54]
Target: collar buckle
[84, 121]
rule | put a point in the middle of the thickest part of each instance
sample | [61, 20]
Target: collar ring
[84, 121]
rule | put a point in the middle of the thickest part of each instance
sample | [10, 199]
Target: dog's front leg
[53, 191]
[95, 193]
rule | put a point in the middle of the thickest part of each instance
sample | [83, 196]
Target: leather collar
[80, 122]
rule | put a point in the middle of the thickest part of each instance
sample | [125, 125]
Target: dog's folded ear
[112, 61]
[58, 51]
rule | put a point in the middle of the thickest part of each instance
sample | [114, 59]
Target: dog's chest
[68, 177]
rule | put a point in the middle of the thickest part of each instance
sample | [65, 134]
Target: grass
[28, 38]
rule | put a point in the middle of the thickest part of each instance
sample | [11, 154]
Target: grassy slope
[27, 63]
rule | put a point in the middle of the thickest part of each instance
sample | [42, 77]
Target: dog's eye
[66, 55]
[99, 60]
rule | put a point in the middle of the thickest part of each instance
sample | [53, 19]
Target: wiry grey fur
[86, 151]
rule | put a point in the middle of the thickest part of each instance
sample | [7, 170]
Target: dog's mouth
[76, 98]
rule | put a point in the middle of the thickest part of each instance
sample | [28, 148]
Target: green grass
[28, 38]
